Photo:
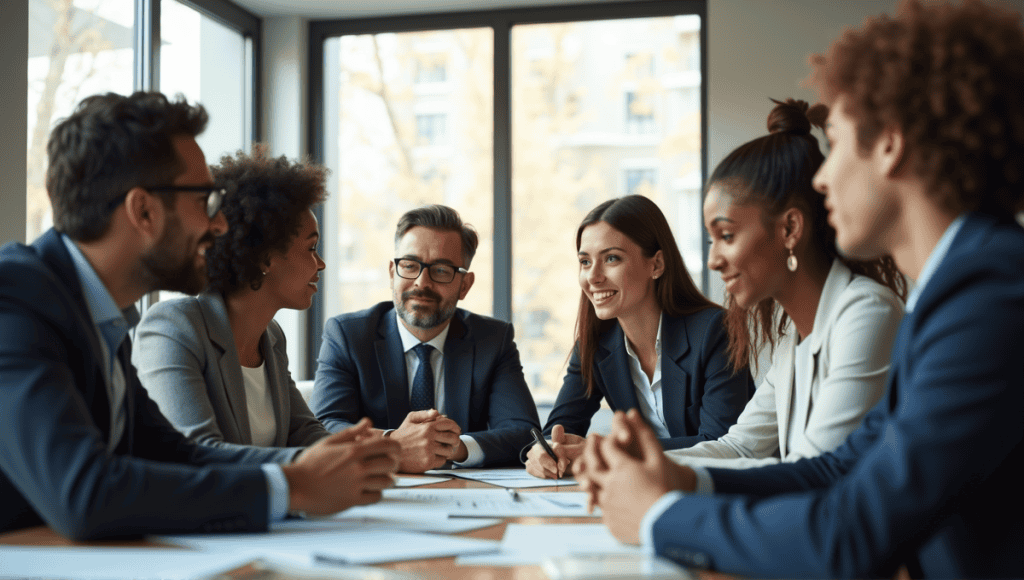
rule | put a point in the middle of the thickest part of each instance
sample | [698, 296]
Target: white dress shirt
[648, 391]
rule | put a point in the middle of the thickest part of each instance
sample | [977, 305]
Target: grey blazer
[186, 358]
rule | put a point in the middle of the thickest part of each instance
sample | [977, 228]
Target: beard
[441, 314]
[168, 271]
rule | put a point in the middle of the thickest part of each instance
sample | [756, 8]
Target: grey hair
[444, 218]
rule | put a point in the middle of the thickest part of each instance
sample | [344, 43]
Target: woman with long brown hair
[646, 339]
[828, 322]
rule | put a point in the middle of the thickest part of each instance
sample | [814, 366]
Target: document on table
[488, 503]
[362, 546]
[370, 518]
[504, 477]
[417, 480]
[106, 563]
[532, 544]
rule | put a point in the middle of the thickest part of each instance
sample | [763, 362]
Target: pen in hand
[539, 439]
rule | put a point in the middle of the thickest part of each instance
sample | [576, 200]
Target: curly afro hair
[264, 207]
[950, 77]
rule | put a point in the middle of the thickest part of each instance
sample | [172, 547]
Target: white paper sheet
[417, 480]
[362, 546]
[110, 563]
[525, 544]
[368, 518]
[486, 503]
[505, 477]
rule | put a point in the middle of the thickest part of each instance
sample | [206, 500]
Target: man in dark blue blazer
[926, 165]
[446, 383]
[82, 447]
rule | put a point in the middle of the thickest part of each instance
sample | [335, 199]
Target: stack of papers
[481, 503]
[533, 544]
[504, 477]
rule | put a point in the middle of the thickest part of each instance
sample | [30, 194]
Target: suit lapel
[391, 361]
[458, 372]
[613, 366]
[784, 387]
[278, 392]
[51, 248]
[218, 328]
[675, 344]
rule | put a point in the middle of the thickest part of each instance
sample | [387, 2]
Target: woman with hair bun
[217, 363]
[829, 322]
[646, 339]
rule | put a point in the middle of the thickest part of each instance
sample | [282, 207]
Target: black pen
[544, 444]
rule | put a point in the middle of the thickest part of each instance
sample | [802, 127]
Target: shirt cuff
[652, 515]
[705, 485]
[277, 488]
[476, 454]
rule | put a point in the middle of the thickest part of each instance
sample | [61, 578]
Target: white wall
[13, 121]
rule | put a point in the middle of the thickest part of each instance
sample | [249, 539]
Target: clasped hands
[428, 440]
[626, 472]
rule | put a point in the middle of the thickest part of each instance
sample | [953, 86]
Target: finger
[368, 497]
[377, 482]
[422, 416]
[650, 448]
[539, 463]
[558, 434]
[351, 434]
[443, 423]
[592, 455]
[378, 465]
[445, 438]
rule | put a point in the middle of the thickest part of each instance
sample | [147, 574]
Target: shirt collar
[113, 322]
[657, 341]
[410, 342]
[934, 259]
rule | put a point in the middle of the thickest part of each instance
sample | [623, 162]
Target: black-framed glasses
[214, 195]
[410, 269]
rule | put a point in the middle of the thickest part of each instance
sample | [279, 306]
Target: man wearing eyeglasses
[445, 383]
[82, 447]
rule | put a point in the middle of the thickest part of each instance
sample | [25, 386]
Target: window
[586, 104]
[76, 49]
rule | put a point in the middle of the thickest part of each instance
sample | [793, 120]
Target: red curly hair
[951, 79]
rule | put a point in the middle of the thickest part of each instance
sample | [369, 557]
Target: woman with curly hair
[829, 322]
[216, 364]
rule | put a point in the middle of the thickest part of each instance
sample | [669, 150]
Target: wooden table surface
[435, 568]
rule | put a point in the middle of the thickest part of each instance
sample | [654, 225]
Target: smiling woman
[646, 339]
[216, 364]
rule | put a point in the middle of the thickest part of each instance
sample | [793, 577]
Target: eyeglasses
[441, 273]
[214, 195]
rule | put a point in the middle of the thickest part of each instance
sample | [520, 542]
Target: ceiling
[331, 9]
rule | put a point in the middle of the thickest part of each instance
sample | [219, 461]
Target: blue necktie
[423, 383]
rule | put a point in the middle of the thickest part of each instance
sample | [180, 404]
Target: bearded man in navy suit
[926, 164]
[445, 383]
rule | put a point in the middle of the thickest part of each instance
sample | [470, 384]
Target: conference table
[435, 568]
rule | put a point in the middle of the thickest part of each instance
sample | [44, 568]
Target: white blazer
[854, 329]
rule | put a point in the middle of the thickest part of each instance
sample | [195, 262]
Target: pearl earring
[791, 261]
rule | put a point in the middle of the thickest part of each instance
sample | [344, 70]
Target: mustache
[425, 293]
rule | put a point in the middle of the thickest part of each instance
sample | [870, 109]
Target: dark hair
[267, 198]
[775, 173]
[640, 220]
[444, 218]
[108, 145]
[950, 78]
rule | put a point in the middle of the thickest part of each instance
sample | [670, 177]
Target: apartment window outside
[585, 111]
[391, 148]
[76, 48]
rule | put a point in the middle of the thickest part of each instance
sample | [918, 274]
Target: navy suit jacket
[55, 423]
[931, 479]
[361, 373]
[701, 395]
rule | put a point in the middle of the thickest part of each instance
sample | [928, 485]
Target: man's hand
[625, 474]
[567, 448]
[428, 440]
[341, 470]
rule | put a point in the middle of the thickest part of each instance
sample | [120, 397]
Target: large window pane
[599, 110]
[408, 122]
[208, 63]
[76, 48]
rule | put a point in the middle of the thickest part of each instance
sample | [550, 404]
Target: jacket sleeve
[336, 398]
[573, 409]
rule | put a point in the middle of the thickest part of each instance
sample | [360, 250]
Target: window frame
[501, 21]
